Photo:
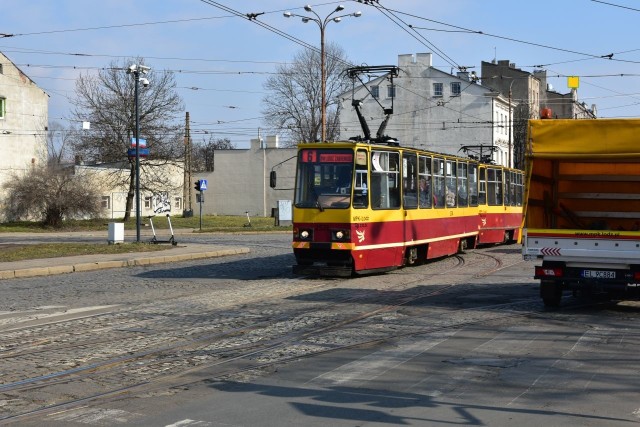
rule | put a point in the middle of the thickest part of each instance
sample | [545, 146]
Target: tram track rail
[231, 351]
[227, 368]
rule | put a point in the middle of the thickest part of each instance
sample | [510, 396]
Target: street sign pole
[137, 160]
[201, 186]
[201, 202]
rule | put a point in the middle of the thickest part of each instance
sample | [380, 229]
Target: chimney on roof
[424, 59]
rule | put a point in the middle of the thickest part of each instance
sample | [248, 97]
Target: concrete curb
[101, 265]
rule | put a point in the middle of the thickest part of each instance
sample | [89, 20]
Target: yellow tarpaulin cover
[571, 138]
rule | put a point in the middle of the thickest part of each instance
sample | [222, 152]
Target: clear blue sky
[221, 60]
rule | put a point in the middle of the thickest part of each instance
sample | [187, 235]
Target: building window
[455, 89]
[106, 202]
[391, 91]
[375, 92]
[3, 104]
[437, 89]
[177, 203]
[147, 202]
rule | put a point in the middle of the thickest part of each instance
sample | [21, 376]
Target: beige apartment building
[240, 181]
[23, 121]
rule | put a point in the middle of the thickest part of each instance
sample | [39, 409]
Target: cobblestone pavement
[476, 319]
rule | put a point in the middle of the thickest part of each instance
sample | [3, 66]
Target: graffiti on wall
[160, 203]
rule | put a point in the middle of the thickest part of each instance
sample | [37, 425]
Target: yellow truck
[582, 207]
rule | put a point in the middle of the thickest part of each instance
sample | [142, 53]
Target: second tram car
[362, 208]
[500, 194]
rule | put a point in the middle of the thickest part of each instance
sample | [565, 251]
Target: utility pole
[136, 70]
[263, 147]
[186, 187]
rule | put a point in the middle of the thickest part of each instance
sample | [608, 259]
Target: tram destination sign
[312, 156]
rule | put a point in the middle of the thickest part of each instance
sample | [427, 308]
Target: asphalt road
[240, 341]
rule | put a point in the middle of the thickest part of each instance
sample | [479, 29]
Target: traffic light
[197, 186]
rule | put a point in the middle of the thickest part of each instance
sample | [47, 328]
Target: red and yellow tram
[361, 208]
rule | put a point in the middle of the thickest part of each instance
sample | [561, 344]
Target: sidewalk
[71, 264]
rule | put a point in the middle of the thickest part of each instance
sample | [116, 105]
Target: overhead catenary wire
[482, 33]
[233, 15]
[390, 14]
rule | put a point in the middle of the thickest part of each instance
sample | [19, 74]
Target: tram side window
[463, 183]
[409, 180]
[509, 196]
[385, 185]
[438, 182]
[424, 182]
[473, 185]
[519, 189]
[494, 186]
[482, 193]
[360, 189]
[516, 188]
[451, 184]
[499, 187]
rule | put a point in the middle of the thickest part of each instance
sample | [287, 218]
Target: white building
[240, 181]
[432, 110]
[114, 198]
[23, 121]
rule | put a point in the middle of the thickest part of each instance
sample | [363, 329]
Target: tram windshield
[324, 179]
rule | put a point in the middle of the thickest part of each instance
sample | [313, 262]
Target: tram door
[385, 198]
[410, 188]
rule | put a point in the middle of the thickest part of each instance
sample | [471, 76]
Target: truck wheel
[551, 293]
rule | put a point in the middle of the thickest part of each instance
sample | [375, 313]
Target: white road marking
[189, 423]
[97, 416]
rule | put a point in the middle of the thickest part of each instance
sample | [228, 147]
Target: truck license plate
[598, 274]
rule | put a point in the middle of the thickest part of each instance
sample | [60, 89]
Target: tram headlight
[305, 234]
[340, 235]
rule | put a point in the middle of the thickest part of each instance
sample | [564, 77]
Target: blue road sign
[143, 142]
[203, 184]
[142, 152]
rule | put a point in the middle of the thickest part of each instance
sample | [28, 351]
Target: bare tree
[51, 194]
[203, 157]
[293, 105]
[59, 144]
[107, 100]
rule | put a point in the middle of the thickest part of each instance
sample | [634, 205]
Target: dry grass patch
[19, 252]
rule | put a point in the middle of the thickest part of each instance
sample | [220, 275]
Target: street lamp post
[322, 24]
[136, 70]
